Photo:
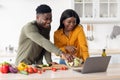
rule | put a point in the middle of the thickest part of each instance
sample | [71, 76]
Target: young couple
[69, 38]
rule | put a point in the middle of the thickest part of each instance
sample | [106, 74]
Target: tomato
[26, 69]
[39, 71]
[61, 68]
[0, 68]
[54, 69]
[35, 70]
[30, 70]
[43, 70]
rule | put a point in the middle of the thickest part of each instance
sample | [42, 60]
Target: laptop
[94, 64]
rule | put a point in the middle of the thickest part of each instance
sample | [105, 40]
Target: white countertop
[113, 73]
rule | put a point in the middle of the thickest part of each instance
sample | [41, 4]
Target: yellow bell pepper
[22, 66]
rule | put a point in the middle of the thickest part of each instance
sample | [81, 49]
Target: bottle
[104, 53]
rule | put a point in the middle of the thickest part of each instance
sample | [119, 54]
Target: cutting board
[57, 66]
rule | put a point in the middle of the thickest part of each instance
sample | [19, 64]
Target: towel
[115, 32]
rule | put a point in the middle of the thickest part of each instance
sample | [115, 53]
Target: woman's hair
[67, 14]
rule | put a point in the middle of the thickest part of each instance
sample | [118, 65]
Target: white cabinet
[98, 11]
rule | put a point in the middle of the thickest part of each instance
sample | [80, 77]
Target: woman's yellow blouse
[76, 38]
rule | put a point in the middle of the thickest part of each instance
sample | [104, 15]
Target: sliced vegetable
[44, 65]
[76, 62]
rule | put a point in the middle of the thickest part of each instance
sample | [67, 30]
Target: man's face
[44, 20]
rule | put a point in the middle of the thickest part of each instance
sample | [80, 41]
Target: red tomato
[61, 68]
[39, 71]
[43, 70]
[54, 69]
[64, 68]
[35, 70]
[0, 67]
[30, 70]
[26, 69]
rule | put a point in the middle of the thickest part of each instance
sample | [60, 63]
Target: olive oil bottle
[104, 53]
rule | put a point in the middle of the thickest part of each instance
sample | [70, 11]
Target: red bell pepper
[4, 67]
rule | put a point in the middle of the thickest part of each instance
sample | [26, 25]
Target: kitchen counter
[113, 73]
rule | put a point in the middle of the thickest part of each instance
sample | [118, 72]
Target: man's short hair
[43, 9]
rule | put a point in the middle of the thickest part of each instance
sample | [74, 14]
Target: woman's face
[69, 23]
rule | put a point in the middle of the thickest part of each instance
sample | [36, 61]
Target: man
[34, 39]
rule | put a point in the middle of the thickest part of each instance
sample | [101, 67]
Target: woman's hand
[71, 49]
[67, 57]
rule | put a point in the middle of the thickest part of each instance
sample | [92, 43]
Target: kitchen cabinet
[98, 11]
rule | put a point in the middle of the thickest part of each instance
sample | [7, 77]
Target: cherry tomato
[0, 68]
[35, 70]
[43, 70]
[54, 69]
[39, 71]
[26, 69]
[63, 68]
[30, 70]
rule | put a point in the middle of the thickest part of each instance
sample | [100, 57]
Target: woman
[70, 37]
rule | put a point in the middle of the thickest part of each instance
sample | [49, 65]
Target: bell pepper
[22, 66]
[4, 67]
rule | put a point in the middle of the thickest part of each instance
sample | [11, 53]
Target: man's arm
[31, 32]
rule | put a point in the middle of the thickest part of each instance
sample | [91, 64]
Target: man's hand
[67, 57]
[53, 63]
[71, 49]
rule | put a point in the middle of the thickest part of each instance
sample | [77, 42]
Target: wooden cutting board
[57, 66]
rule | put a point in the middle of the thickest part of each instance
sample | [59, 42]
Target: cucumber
[24, 72]
[44, 65]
